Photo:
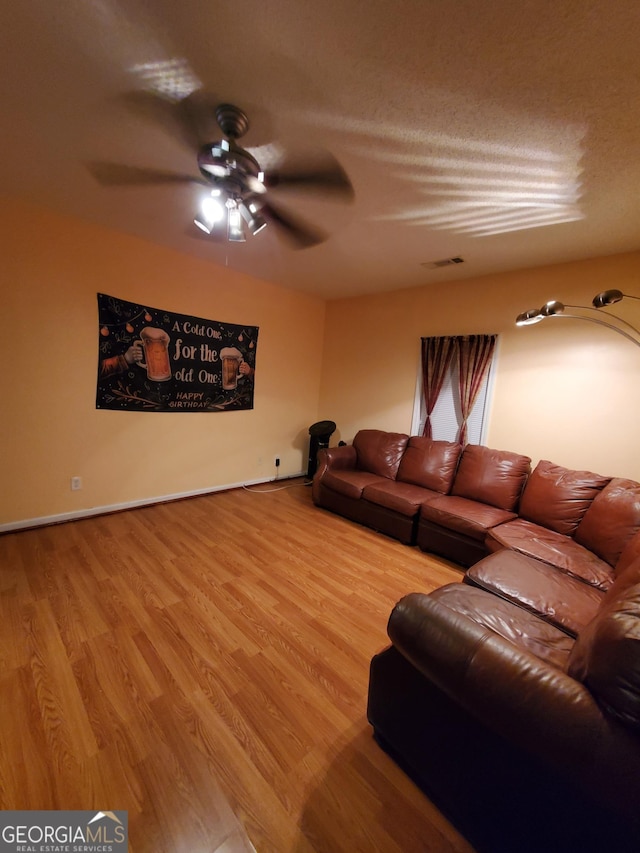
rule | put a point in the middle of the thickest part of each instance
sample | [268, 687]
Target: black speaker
[320, 433]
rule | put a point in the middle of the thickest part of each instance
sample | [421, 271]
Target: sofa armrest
[332, 458]
[511, 691]
[335, 458]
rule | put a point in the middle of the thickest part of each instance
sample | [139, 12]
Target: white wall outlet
[76, 483]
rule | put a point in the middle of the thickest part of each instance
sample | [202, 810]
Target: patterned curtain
[436, 358]
[474, 359]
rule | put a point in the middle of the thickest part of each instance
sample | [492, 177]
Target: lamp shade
[252, 216]
[528, 318]
[549, 309]
[607, 297]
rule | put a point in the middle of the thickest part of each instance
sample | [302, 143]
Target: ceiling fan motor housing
[230, 168]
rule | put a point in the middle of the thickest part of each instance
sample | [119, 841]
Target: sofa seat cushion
[612, 520]
[430, 463]
[566, 602]
[349, 483]
[511, 622]
[464, 516]
[404, 498]
[380, 452]
[558, 498]
[494, 477]
[554, 548]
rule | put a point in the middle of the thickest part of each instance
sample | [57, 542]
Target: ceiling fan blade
[197, 117]
[119, 175]
[191, 120]
[325, 176]
[300, 234]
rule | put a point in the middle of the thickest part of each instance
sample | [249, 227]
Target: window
[446, 416]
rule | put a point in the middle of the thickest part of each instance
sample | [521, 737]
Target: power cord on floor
[258, 491]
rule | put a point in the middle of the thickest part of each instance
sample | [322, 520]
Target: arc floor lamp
[601, 300]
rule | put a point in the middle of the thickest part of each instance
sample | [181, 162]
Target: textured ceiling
[506, 133]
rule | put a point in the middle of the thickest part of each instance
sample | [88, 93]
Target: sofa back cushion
[558, 498]
[606, 654]
[611, 520]
[630, 553]
[493, 477]
[380, 452]
[429, 463]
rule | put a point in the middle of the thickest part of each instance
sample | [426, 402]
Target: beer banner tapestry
[157, 361]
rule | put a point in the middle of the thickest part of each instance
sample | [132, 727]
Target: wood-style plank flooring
[203, 664]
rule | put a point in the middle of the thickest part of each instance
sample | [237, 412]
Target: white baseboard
[75, 515]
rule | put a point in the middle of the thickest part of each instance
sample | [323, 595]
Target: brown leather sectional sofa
[512, 697]
[524, 734]
[465, 504]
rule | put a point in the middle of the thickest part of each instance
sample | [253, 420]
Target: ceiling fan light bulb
[212, 210]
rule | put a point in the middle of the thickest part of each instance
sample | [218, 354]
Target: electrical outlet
[277, 461]
[76, 483]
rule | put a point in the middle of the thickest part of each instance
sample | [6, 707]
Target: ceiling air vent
[446, 262]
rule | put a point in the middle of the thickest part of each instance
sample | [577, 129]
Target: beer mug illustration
[231, 359]
[156, 353]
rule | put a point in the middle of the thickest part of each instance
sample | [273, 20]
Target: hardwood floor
[203, 664]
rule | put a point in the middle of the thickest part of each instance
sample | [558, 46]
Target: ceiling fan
[238, 193]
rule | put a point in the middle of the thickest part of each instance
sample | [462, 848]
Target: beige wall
[52, 268]
[565, 390]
